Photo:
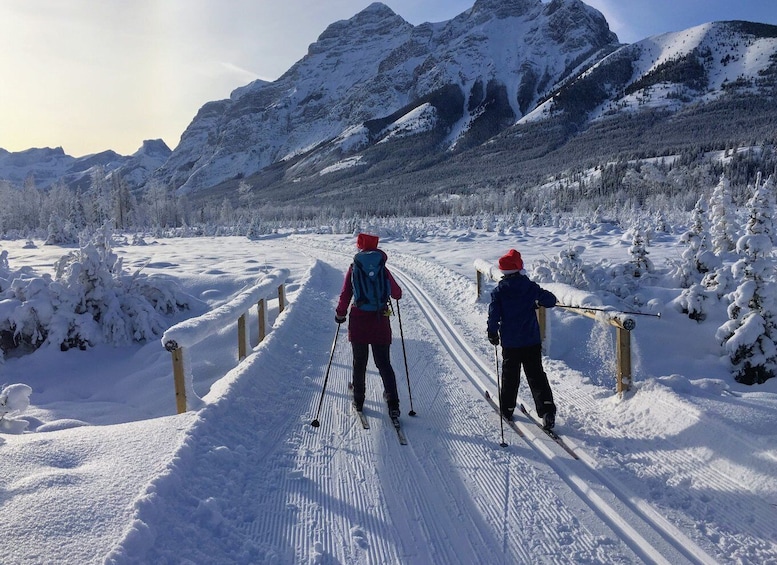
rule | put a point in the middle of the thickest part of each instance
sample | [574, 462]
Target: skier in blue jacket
[512, 317]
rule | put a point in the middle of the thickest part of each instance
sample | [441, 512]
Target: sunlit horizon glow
[91, 76]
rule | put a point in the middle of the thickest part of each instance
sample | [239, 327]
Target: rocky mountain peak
[505, 8]
[377, 19]
[574, 15]
[465, 80]
[153, 148]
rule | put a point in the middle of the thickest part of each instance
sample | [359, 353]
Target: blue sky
[94, 75]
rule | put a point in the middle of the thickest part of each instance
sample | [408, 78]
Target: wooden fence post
[241, 338]
[624, 359]
[281, 299]
[178, 376]
[622, 345]
[262, 322]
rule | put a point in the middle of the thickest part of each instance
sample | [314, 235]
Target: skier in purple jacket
[369, 329]
[512, 317]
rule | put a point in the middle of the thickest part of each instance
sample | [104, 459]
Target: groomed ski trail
[343, 494]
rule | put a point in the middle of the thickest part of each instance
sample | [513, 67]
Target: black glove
[494, 339]
[339, 319]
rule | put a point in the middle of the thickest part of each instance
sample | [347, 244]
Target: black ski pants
[382, 358]
[530, 358]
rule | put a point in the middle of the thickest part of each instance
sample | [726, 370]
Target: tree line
[660, 185]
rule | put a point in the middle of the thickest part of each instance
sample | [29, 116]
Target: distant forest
[617, 188]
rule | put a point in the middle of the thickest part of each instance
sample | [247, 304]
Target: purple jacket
[366, 327]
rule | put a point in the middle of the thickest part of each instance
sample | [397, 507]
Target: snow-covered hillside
[499, 98]
[46, 167]
[679, 470]
[675, 70]
[484, 68]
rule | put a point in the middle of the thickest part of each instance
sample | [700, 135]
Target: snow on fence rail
[623, 322]
[192, 331]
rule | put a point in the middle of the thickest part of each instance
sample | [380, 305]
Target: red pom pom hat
[366, 242]
[511, 262]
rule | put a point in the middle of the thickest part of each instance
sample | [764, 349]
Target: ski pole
[607, 310]
[315, 423]
[499, 396]
[404, 354]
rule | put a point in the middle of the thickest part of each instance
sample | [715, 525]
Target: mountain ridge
[503, 94]
[374, 64]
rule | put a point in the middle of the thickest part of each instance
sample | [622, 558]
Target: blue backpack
[370, 281]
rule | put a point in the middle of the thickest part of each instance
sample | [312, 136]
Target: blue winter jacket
[511, 312]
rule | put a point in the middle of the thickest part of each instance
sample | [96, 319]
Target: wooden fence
[192, 331]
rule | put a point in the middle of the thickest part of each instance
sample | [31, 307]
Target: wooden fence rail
[192, 331]
[622, 322]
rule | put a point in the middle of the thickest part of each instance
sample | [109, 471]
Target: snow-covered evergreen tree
[255, 228]
[767, 188]
[749, 336]
[659, 222]
[697, 258]
[723, 224]
[60, 231]
[90, 300]
[694, 301]
[639, 254]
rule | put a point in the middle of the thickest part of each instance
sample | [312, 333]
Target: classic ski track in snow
[639, 525]
[623, 510]
[748, 517]
[408, 492]
[753, 519]
[343, 494]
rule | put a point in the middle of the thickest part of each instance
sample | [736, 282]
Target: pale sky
[92, 75]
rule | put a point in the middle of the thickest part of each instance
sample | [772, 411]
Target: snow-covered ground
[682, 469]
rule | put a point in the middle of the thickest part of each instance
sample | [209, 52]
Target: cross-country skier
[368, 324]
[512, 316]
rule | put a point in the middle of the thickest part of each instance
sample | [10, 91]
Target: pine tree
[723, 234]
[693, 301]
[749, 336]
[639, 254]
[697, 259]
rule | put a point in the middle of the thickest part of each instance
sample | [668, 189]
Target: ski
[510, 423]
[400, 433]
[551, 434]
[362, 418]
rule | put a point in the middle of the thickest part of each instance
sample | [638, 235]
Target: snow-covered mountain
[376, 77]
[47, 166]
[672, 71]
[501, 97]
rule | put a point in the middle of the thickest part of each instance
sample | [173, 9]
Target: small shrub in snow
[694, 302]
[91, 299]
[567, 267]
[14, 399]
[138, 239]
[719, 282]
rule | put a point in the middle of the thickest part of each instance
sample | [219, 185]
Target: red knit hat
[366, 242]
[511, 262]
